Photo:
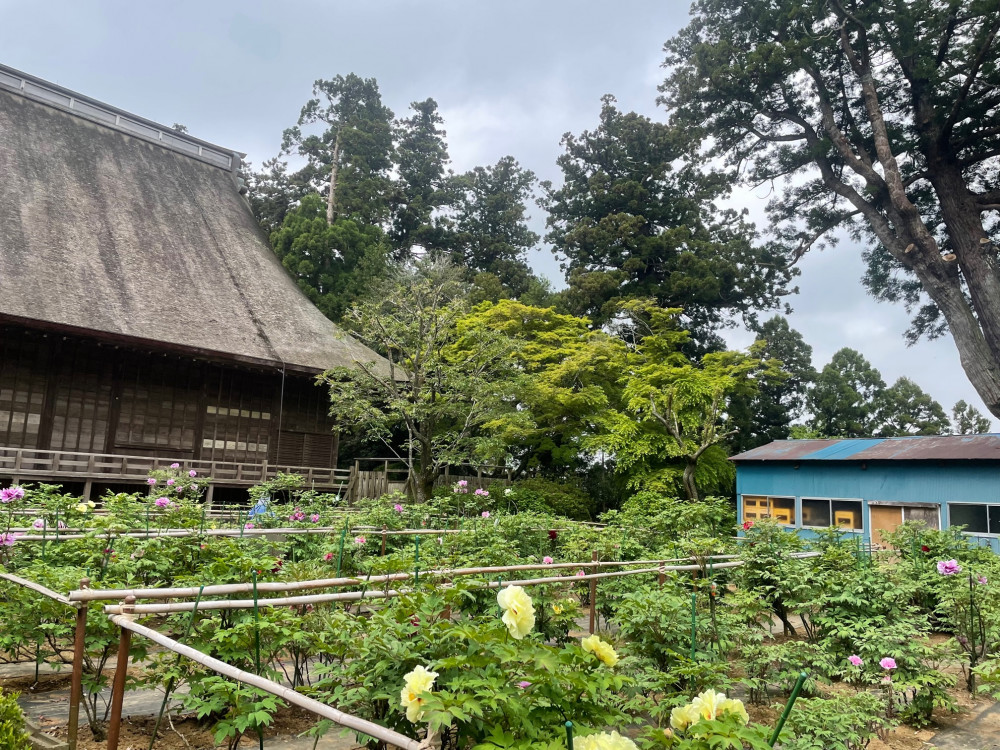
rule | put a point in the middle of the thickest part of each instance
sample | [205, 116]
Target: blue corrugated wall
[900, 481]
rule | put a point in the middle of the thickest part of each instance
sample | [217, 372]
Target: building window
[781, 509]
[821, 514]
[977, 519]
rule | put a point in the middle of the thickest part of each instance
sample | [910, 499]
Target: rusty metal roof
[915, 448]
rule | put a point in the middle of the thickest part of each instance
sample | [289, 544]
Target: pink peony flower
[482, 493]
[175, 466]
[580, 573]
[887, 662]
[328, 556]
[398, 508]
[248, 526]
[747, 525]
[38, 523]
[61, 525]
[855, 660]
[314, 518]
[192, 473]
[7, 539]
[171, 482]
[11, 494]
[948, 567]
[180, 489]
[486, 514]
[463, 483]
[162, 502]
[524, 684]
[151, 481]
[547, 560]
[360, 540]
[981, 580]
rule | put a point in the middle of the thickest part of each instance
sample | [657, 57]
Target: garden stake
[416, 562]
[788, 708]
[239, 522]
[384, 529]
[593, 592]
[694, 621]
[118, 686]
[57, 524]
[662, 577]
[76, 683]
[340, 555]
[569, 735]
[44, 526]
[256, 643]
[170, 682]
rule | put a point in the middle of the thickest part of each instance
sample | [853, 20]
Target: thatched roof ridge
[130, 238]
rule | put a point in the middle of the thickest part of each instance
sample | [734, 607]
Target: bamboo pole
[593, 593]
[291, 601]
[327, 712]
[37, 587]
[273, 586]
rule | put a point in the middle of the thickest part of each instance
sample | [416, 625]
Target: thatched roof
[117, 227]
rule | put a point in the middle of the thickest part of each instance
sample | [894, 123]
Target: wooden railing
[28, 463]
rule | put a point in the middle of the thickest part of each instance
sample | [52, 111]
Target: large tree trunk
[690, 486]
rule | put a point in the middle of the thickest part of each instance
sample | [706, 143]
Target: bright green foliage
[876, 120]
[549, 496]
[441, 386]
[674, 408]
[489, 229]
[350, 154]
[421, 188]
[767, 415]
[966, 419]
[334, 264]
[566, 370]
[630, 224]
[847, 721]
[845, 397]
[905, 409]
[12, 733]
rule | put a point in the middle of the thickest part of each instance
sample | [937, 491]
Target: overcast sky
[510, 78]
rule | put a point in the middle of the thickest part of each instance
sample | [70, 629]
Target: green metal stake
[416, 561]
[788, 707]
[340, 556]
[694, 621]
[569, 735]
[170, 682]
[239, 522]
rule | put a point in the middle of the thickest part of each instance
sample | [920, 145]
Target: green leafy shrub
[12, 733]
[850, 722]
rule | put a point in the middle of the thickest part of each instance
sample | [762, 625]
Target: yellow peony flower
[734, 706]
[91, 504]
[707, 704]
[683, 716]
[518, 611]
[82, 508]
[420, 680]
[557, 609]
[600, 649]
[603, 741]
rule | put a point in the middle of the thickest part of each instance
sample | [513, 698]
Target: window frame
[992, 535]
[831, 501]
[795, 512]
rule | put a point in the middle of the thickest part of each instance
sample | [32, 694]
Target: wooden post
[118, 687]
[384, 528]
[210, 494]
[88, 488]
[76, 682]
[662, 578]
[593, 593]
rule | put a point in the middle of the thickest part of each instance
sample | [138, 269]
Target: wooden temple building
[144, 319]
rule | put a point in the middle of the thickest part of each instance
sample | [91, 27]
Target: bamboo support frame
[322, 583]
[327, 712]
[118, 686]
[76, 680]
[37, 587]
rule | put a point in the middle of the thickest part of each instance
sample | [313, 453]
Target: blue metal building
[867, 486]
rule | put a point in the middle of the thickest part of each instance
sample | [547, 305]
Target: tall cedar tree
[490, 223]
[905, 409]
[879, 118]
[421, 189]
[334, 264]
[768, 414]
[350, 153]
[630, 221]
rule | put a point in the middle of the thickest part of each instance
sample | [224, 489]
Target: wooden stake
[118, 687]
[76, 681]
[593, 593]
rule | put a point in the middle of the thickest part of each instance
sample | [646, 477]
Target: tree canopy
[632, 220]
[875, 119]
